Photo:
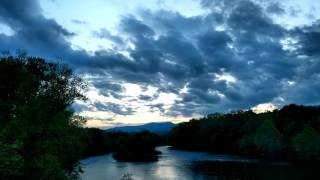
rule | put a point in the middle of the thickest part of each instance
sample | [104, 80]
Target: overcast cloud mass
[158, 62]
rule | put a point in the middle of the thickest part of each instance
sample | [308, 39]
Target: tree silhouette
[38, 133]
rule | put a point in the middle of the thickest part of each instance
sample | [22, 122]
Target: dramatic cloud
[235, 55]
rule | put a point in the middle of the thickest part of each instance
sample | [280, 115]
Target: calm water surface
[185, 165]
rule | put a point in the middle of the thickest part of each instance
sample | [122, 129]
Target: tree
[307, 144]
[11, 160]
[268, 139]
[291, 133]
[36, 121]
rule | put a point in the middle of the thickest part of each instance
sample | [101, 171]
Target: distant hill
[159, 128]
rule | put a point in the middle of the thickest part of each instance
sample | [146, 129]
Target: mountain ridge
[155, 127]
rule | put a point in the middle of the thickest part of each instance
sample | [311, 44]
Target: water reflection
[184, 165]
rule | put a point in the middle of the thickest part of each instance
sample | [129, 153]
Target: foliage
[307, 144]
[39, 136]
[11, 160]
[292, 133]
[268, 139]
[96, 142]
[138, 146]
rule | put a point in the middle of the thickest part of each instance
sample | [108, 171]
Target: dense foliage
[39, 135]
[136, 146]
[139, 146]
[292, 133]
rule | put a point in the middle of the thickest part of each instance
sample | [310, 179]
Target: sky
[173, 60]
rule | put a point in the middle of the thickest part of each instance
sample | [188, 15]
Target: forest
[291, 133]
[41, 137]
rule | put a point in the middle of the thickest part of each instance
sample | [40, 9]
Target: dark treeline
[139, 146]
[292, 133]
[136, 146]
[40, 136]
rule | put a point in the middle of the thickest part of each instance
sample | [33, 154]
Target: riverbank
[188, 165]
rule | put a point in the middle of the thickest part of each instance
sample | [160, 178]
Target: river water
[186, 165]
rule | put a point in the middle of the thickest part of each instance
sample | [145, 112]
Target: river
[186, 165]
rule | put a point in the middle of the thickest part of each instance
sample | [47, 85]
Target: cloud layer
[233, 56]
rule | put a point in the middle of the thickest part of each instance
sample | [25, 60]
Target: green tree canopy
[38, 132]
[268, 139]
[307, 143]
